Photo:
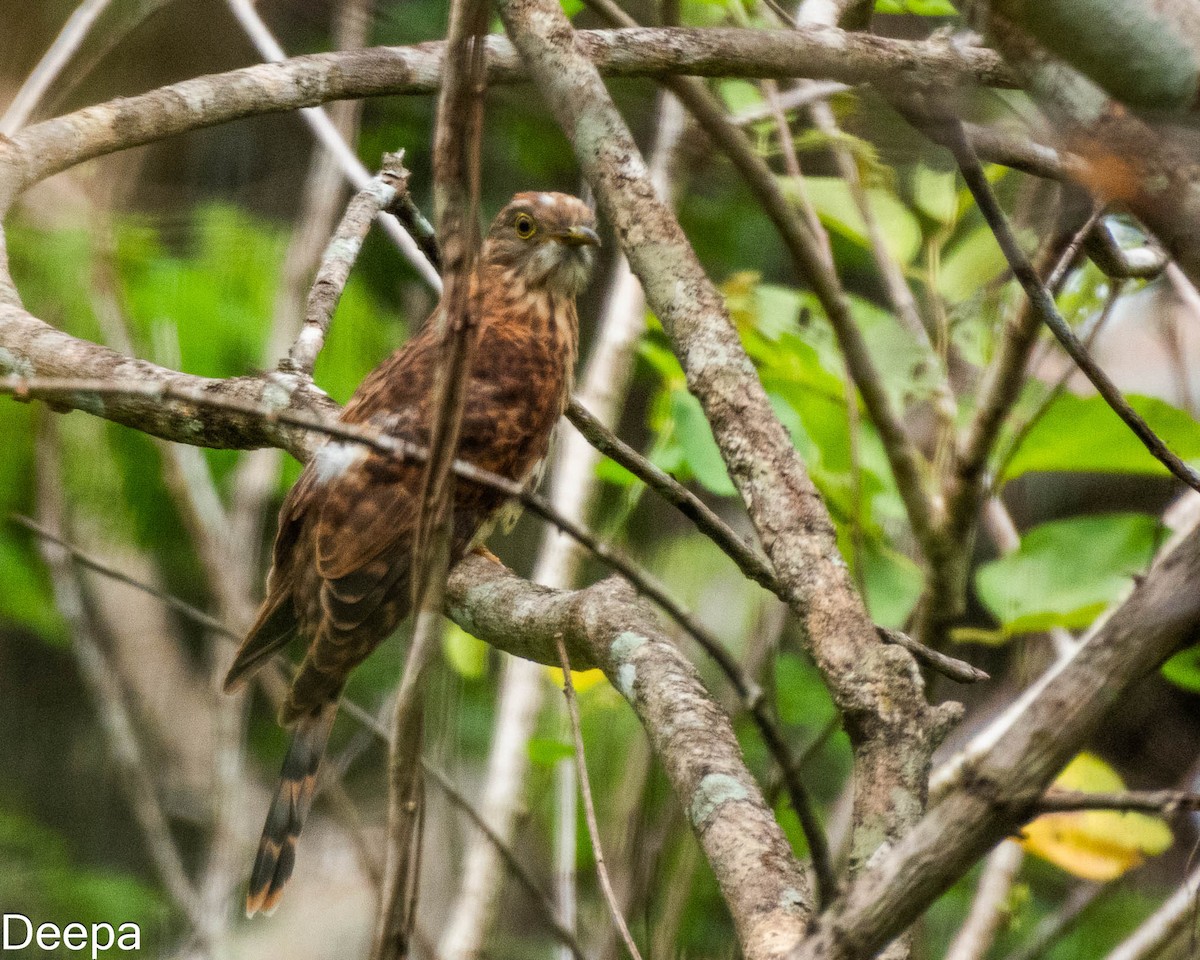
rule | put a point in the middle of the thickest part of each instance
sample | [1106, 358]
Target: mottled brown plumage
[340, 572]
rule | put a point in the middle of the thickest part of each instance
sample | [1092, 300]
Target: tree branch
[47, 148]
[891, 726]
[999, 786]
[606, 626]
[1044, 306]
[385, 189]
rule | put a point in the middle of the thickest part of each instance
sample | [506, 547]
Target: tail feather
[285, 819]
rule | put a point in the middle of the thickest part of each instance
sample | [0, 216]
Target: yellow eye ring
[524, 226]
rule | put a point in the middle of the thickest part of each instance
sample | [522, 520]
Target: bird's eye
[524, 226]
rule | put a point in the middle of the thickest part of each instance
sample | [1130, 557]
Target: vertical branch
[990, 906]
[456, 150]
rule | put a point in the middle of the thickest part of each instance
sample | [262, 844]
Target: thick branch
[876, 686]
[606, 626]
[821, 53]
[1000, 788]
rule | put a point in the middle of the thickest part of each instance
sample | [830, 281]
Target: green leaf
[547, 751]
[1067, 571]
[802, 696]
[893, 583]
[1183, 669]
[465, 653]
[970, 264]
[922, 8]
[836, 207]
[739, 95]
[700, 450]
[935, 193]
[1083, 434]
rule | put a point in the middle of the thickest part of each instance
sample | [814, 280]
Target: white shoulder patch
[545, 200]
[335, 458]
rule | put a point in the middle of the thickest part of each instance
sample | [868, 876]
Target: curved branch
[607, 626]
[47, 148]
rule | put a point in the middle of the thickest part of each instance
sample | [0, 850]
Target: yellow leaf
[583, 680]
[1095, 844]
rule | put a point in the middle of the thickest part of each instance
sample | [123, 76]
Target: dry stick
[53, 61]
[958, 670]
[338, 260]
[328, 135]
[1043, 304]
[589, 808]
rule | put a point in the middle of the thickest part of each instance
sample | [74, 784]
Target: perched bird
[340, 569]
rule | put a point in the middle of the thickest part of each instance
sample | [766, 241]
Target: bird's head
[545, 240]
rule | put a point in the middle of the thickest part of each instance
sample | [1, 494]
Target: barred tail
[285, 819]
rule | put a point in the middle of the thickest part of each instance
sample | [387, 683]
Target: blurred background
[197, 252]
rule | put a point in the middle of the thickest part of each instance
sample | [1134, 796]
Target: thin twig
[53, 61]
[91, 562]
[589, 808]
[1043, 304]
[749, 561]
[342, 251]
[958, 670]
[1166, 802]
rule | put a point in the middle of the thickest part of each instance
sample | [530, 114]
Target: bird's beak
[578, 237]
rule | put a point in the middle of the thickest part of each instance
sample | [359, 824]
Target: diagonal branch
[999, 787]
[892, 727]
[1044, 306]
[606, 626]
[384, 189]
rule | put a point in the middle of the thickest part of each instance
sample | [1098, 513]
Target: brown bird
[340, 569]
